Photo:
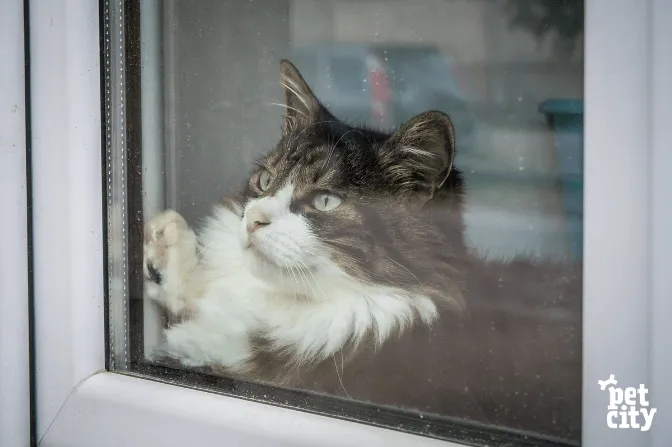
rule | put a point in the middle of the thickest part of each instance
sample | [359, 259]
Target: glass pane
[386, 226]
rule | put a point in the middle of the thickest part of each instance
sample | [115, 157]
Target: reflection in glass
[477, 223]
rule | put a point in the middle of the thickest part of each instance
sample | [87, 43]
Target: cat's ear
[420, 154]
[302, 107]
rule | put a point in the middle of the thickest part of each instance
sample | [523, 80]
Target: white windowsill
[109, 409]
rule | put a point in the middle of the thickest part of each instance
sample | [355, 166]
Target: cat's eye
[326, 202]
[265, 180]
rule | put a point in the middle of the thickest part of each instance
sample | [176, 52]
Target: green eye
[265, 180]
[326, 202]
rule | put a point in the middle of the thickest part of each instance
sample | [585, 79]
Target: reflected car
[383, 85]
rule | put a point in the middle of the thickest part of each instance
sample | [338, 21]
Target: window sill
[110, 409]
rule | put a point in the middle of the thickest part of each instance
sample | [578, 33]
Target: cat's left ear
[420, 155]
[302, 106]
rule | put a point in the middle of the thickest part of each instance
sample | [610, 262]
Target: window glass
[386, 226]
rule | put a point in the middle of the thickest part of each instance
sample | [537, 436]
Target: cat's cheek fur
[288, 240]
[290, 243]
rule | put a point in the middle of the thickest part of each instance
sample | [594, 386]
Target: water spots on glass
[221, 71]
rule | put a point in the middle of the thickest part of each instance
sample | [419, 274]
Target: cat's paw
[169, 254]
[172, 351]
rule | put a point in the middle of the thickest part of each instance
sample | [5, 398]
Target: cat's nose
[255, 219]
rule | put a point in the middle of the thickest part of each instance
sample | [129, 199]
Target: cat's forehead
[317, 166]
[327, 155]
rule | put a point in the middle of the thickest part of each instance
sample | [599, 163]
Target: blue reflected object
[565, 116]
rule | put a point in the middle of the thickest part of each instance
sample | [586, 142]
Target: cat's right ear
[302, 107]
[420, 155]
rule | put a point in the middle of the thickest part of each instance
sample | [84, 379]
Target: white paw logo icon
[623, 406]
[610, 381]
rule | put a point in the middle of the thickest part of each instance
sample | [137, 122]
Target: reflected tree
[560, 20]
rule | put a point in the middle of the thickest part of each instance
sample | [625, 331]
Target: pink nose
[255, 219]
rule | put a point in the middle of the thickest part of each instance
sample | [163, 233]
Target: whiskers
[331, 149]
[333, 146]
[202, 250]
[340, 379]
[410, 272]
[297, 270]
[288, 107]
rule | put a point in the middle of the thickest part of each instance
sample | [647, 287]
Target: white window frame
[627, 288]
[14, 333]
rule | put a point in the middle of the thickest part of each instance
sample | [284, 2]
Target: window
[200, 95]
[187, 105]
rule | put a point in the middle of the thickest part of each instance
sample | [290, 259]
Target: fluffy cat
[343, 238]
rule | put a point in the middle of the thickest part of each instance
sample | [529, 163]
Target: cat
[343, 238]
[346, 281]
